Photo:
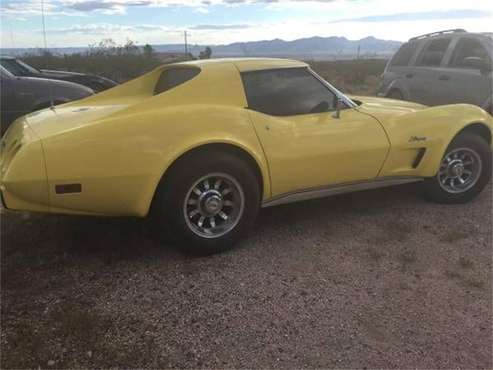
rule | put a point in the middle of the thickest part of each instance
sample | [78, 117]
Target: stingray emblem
[414, 139]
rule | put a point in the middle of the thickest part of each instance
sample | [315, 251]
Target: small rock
[51, 363]
[89, 354]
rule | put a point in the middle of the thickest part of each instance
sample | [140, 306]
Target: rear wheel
[464, 171]
[208, 202]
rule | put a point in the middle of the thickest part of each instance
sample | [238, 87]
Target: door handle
[444, 78]
[410, 75]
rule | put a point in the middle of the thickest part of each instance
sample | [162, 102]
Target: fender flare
[397, 84]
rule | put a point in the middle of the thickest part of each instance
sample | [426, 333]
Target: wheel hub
[456, 168]
[212, 203]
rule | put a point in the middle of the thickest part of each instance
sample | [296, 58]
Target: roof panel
[247, 64]
[256, 64]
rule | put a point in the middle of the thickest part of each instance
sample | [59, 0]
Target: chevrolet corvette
[200, 146]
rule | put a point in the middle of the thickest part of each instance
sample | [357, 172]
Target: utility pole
[186, 42]
[44, 24]
[12, 43]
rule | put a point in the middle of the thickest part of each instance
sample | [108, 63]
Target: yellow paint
[119, 143]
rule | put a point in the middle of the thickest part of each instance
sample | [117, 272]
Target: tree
[148, 51]
[206, 54]
[129, 48]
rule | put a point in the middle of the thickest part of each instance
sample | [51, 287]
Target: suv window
[174, 77]
[433, 53]
[404, 54]
[287, 92]
[467, 47]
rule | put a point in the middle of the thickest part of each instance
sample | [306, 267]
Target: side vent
[68, 188]
[419, 157]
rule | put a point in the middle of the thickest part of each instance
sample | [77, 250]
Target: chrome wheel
[214, 205]
[460, 170]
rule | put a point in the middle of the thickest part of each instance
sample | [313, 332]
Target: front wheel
[464, 171]
[208, 202]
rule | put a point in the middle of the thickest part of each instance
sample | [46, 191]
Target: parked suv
[446, 67]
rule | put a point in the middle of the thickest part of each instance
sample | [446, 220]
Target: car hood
[89, 80]
[57, 84]
[59, 74]
[383, 106]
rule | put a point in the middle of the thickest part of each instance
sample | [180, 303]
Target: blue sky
[84, 22]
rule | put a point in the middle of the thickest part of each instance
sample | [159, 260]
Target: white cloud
[322, 18]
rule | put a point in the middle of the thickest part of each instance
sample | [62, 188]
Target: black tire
[395, 94]
[169, 204]
[435, 192]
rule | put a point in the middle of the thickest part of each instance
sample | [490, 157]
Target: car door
[466, 82]
[305, 145]
[427, 80]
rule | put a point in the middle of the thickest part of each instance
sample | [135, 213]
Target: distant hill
[313, 47]
[306, 48]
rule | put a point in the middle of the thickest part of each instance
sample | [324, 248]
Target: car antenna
[52, 104]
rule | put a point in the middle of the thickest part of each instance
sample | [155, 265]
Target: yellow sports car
[202, 145]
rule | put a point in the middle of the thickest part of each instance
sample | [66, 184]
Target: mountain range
[315, 47]
[306, 48]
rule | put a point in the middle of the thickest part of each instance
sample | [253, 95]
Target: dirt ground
[377, 279]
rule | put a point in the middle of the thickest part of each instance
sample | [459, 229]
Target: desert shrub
[118, 62]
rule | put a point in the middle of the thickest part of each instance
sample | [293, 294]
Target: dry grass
[360, 77]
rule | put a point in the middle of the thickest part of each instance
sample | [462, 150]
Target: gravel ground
[377, 279]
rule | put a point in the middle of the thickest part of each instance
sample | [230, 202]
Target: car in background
[22, 95]
[446, 67]
[21, 69]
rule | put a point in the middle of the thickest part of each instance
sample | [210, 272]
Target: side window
[404, 54]
[433, 53]
[174, 77]
[287, 92]
[467, 48]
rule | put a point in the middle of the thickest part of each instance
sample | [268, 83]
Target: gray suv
[444, 67]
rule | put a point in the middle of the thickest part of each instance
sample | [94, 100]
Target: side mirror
[477, 63]
[338, 104]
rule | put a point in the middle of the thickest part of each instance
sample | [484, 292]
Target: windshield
[18, 68]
